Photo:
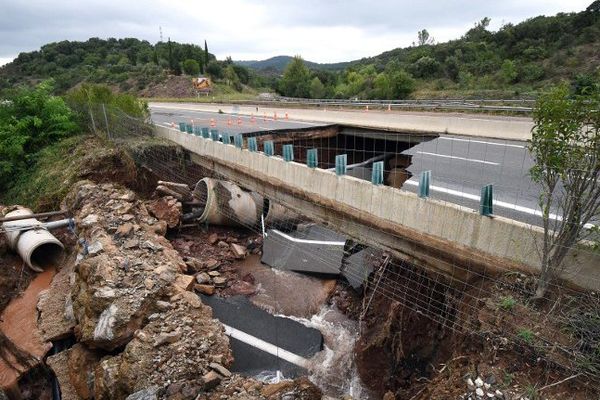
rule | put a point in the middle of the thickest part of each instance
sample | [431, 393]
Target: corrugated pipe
[32, 241]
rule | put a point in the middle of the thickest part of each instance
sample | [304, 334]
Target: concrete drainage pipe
[224, 203]
[32, 241]
[278, 216]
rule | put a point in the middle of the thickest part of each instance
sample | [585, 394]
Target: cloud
[323, 31]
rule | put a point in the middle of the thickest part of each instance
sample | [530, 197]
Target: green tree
[231, 77]
[317, 89]
[206, 55]
[214, 69]
[29, 120]
[295, 80]
[402, 84]
[425, 67]
[423, 38]
[191, 67]
[509, 71]
[565, 147]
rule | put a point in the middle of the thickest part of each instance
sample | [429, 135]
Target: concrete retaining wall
[486, 240]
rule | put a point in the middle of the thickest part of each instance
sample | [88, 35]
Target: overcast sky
[318, 30]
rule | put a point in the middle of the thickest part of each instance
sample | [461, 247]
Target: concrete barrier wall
[495, 236]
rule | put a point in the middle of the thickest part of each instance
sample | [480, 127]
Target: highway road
[460, 165]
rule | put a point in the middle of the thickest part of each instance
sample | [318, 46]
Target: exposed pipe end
[40, 250]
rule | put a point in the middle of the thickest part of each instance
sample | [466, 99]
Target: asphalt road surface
[460, 166]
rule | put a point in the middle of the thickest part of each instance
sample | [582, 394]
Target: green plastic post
[226, 138]
[288, 152]
[182, 126]
[205, 133]
[269, 148]
[189, 128]
[424, 182]
[239, 141]
[197, 130]
[377, 174]
[341, 162]
[252, 146]
[486, 206]
[214, 134]
[312, 158]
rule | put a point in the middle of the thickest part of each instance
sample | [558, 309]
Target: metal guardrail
[498, 105]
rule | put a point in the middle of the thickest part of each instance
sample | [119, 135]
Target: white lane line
[458, 158]
[482, 142]
[293, 239]
[266, 346]
[498, 203]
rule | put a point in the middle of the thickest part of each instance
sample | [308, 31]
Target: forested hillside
[514, 61]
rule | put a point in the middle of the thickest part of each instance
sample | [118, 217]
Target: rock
[300, 388]
[150, 393]
[166, 209]
[185, 282]
[202, 278]
[389, 396]
[208, 290]
[131, 243]
[470, 384]
[170, 337]
[211, 264]
[478, 382]
[241, 288]
[220, 369]
[223, 244]
[213, 274]
[82, 363]
[94, 248]
[125, 229]
[219, 281]
[56, 320]
[211, 379]
[479, 392]
[213, 238]
[59, 365]
[89, 220]
[239, 251]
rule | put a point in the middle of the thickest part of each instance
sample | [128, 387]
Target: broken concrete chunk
[185, 282]
[220, 369]
[95, 248]
[125, 229]
[202, 278]
[211, 380]
[219, 281]
[150, 393]
[166, 209]
[170, 337]
[239, 251]
[208, 290]
[213, 238]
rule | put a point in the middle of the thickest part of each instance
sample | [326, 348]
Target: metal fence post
[239, 141]
[269, 148]
[106, 121]
[252, 146]
[288, 152]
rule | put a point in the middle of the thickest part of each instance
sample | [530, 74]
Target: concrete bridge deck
[442, 237]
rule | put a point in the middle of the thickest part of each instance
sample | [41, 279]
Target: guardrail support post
[341, 162]
[189, 128]
[205, 133]
[182, 126]
[312, 158]
[269, 148]
[288, 152]
[252, 146]
[377, 174]
[197, 130]
[424, 182]
[239, 141]
[486, 206]
[226, 138]
[214, 134]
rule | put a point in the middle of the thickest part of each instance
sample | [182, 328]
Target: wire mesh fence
[467, 299]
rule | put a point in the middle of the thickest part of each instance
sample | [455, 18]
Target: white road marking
[458, 158]
[266, 346]
[498, 203]
[482, 142]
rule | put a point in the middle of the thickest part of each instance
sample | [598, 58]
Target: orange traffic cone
[265, 117]
[286, 116]
[229, 121]
[389, 107]
[213, 123]
[366, 108]
[252, 119]
[275, 116]
[239, 121]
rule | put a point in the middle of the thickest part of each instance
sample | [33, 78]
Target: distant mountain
[278, 64]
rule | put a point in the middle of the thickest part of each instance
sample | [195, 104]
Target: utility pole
[160, 30]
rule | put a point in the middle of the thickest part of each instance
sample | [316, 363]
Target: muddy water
[19, 323]
[304, 299]
[283, 292]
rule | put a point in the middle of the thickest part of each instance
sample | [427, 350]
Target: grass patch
[58, 166]
[507, 303]
[526, 335]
